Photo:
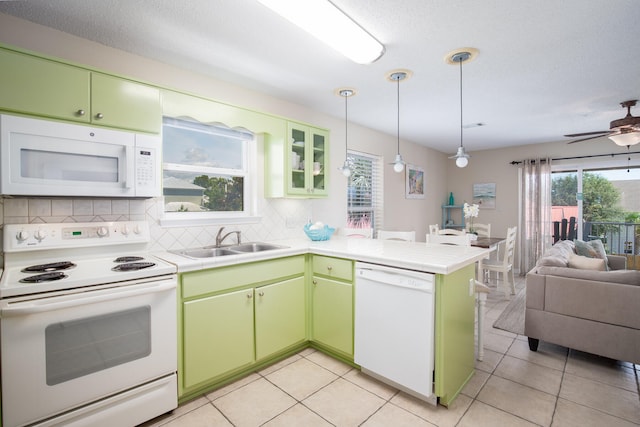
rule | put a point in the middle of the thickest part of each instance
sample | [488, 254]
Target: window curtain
[535, 211]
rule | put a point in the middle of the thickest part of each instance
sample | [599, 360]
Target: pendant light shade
[398, 76]
[347, 168]
[462, 158]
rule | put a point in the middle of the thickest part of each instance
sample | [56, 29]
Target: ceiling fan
[624, 132]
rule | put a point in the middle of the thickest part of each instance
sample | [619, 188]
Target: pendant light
[398, 76]
[347, 167]
[458, 57]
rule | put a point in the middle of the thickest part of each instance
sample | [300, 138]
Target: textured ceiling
[545, 68]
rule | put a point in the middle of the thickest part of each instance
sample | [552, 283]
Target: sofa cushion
[625, 277]
[557, 255]
[591, 249]
[587, 263]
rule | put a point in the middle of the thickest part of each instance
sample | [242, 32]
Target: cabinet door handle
[261, 293]
[250, 295]
[80, 112]
[315, 282]
[329, 268]
[99, 116]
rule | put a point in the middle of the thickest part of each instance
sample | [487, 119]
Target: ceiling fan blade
[586, 139]
[573, 135]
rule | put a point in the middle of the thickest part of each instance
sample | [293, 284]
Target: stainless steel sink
[245, 248]
[207, 252]
[254, 247]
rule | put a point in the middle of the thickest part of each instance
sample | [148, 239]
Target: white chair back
[450, 239]
[433, 228]
[407, 236]
[451, 232]
[363, 233]
[482, 230]
[509, 247]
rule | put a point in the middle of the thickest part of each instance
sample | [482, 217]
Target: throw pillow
[591, 249]
[587, 263]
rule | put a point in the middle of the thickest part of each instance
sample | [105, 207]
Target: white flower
[470, 211]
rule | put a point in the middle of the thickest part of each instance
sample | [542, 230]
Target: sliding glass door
[604, 203]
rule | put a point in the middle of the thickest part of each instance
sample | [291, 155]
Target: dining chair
[451, 231]
[481, 289]
[363, 233]
[450, 239]
[503, 264]
[434, 228]
[482, 230]
[407, 236]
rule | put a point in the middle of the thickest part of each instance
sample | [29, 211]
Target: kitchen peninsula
[319, 276]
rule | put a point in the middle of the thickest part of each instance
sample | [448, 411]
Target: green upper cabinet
[37, 86]
[42, 87]
[297, 166]
[126, 104]
[308, 158]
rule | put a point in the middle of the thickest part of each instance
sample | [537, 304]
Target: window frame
[249, 214]
[377, 198]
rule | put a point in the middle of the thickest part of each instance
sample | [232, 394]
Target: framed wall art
[414, 188]
[484, 195]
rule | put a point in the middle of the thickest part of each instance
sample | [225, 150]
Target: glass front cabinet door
[308, 160]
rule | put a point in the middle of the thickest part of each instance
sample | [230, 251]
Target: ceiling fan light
[625, 139]
[323, 20]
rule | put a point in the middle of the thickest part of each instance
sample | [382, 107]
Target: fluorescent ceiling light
[330, 25]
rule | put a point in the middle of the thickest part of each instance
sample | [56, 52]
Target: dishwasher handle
[395, 277]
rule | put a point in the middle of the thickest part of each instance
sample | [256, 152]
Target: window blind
[364, 192]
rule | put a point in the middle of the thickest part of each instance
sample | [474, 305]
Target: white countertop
[419, 256]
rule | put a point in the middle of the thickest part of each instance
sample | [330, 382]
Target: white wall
[494, 166]
[400, 213]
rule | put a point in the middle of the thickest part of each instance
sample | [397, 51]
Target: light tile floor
[513, 386]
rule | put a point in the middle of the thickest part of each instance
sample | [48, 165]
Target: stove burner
[46, 277]
[128, 259]
[53, 266]
[133, 266]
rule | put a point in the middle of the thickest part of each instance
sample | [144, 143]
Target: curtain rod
[515, 162]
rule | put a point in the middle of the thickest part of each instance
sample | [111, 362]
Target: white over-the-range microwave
[47, 158]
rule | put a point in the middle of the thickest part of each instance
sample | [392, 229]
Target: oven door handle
[24, 308]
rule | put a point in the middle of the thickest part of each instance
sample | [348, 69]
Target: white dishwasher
[394, 327]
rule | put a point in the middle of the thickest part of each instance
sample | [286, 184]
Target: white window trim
[250, 198]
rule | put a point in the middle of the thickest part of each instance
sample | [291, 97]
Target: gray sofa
[593, 311]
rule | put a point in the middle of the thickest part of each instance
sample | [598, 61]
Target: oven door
[45, 158]
[65, 351]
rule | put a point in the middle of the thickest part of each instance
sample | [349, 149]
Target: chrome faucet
[220, 238]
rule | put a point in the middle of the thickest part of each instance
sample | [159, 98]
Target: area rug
[512, 318]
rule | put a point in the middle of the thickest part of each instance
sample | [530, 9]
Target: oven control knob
[125, 230]
[137, 229]
[22, 235]
[40, 235]
[102, 231]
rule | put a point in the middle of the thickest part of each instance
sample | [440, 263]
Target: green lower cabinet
[237, 318]
[332, 314]
[217, 336]
[454, 335]
[280, 316]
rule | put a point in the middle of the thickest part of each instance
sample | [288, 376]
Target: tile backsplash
[279, 218]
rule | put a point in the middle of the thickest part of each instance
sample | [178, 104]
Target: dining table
[488, 243]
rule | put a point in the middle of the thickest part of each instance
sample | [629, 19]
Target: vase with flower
[471, 212]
